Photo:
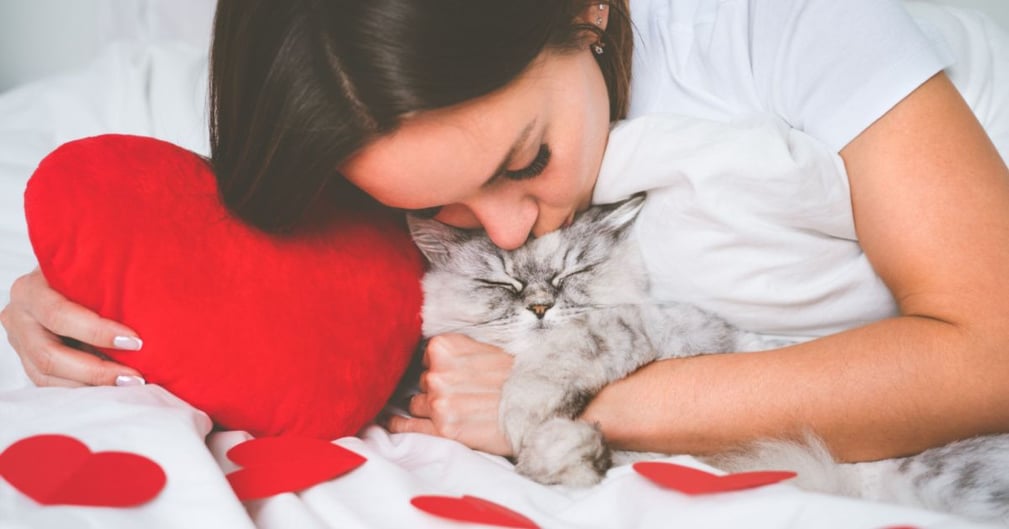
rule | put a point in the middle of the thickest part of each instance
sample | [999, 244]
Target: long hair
[298, 86]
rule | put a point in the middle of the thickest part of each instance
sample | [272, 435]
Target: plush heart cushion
[304, 334]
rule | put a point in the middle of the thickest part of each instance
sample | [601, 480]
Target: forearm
[930, 197]
[893, 387]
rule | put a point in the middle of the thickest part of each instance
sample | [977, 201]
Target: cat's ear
[433, 238]
[615, 218]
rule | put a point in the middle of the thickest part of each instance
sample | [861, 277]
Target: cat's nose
[540, 309]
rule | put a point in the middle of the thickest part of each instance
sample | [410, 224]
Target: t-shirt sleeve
[832, 67]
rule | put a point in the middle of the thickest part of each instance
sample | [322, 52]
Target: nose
[540, 309]
[508, 229]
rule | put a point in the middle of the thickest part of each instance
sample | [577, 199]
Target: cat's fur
[573, 307]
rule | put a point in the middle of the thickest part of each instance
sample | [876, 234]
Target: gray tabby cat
[573, 307]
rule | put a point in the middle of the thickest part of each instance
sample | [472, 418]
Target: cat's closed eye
[558, 279]
[516, 287]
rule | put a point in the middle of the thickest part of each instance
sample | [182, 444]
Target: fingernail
[129, 381]
[128, 343]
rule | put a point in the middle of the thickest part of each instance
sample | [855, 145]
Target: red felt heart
[302, 334]
[60, 470]
[472, 509]
[273, 465]
[693, 481]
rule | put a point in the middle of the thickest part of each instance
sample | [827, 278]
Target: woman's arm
[931, 205]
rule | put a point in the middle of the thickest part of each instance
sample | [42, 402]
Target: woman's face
[518, 162]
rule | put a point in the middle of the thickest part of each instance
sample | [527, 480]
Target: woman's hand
[460, 393]
[36, 319]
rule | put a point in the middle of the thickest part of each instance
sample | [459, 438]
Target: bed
[157, 89]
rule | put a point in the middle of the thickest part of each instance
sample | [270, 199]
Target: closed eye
[534, 169]
[559, 278]
[514, 287]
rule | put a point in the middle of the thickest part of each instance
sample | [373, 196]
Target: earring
[598, 46]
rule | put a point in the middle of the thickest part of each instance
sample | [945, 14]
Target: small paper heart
[693, 481]
[273, 465]
[55, 469]
[472, 509]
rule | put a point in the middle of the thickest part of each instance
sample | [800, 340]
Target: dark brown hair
[298, 86]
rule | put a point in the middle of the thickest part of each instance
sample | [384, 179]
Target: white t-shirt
[738, 110]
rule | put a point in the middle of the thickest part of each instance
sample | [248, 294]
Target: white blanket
[158, 91]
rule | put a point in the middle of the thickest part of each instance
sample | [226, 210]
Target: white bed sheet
[159, 91]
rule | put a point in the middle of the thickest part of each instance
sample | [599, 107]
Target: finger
[400, 424]
[420, 405]
[444, 348]
[465, 379]
[46, 360]
[61, 316]
[466, 344]
[477, 429]
[452, 350]
[453, 413]
[50, 359]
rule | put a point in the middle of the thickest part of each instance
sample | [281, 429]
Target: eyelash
[534, 169]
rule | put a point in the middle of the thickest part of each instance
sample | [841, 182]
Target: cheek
[569, 183]
[458, 216]
[576, 166]
[575, 291]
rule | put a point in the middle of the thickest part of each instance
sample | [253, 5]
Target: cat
[573, 308]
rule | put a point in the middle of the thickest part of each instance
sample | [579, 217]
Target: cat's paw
[564, 452]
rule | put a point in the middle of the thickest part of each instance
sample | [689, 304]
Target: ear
[433, 238]
[614, 219]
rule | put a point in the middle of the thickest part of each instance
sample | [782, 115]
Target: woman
[495, 115]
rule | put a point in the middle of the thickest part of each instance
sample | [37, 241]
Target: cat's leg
[538, 417]
[553, 379]
[968, 477]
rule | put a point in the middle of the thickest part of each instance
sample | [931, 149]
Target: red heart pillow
[303, 334]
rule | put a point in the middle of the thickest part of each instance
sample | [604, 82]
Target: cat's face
[495, 295]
